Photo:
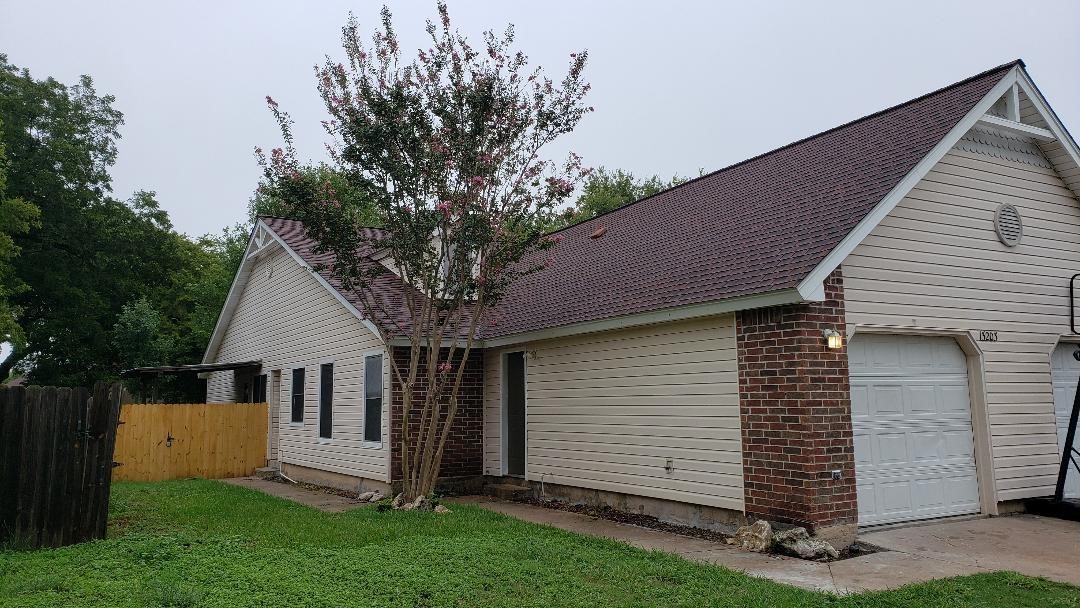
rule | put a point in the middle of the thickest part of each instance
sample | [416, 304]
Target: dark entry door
[515, 413]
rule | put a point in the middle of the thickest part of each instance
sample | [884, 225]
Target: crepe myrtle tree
[449, 147]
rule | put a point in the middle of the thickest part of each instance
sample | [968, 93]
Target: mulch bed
[857, 549]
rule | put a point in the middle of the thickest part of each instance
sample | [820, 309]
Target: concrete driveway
[1029, 544]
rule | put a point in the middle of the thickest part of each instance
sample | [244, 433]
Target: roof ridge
[1004, 66]
[296, 219]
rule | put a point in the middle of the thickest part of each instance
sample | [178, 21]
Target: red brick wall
[796, 413]
[464, 453]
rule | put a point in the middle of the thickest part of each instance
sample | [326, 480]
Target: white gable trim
[1056, 128]
[263, 238]
[814, 282]
[233, 299]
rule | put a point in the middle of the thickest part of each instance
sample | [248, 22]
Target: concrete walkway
[1028, 544]
[323, 501]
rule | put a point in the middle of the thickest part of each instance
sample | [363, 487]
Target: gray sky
[677, 86]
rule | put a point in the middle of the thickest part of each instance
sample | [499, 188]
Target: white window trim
[384, 409]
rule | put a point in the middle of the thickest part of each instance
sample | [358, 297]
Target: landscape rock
[365, 497]
[398, 502]
[376, 496]
[420, 504]
[797, 541]
[755, 537]
[441, 509]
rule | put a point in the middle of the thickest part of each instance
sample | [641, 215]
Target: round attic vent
[1008, 225]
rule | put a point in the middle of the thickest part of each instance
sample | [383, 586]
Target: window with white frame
[373, 395]
[298, 395]
[326, 400]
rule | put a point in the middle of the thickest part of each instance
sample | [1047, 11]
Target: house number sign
[987, 335]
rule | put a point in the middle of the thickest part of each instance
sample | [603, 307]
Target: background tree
[16, 217]
[90, 255]
[265, 201]
[604, 191]
[449, 147]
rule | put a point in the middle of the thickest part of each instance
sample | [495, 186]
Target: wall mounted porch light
[833, 338]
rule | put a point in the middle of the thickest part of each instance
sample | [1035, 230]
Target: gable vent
[1008, 225]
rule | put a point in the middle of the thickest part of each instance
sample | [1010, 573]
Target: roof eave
[666, 315]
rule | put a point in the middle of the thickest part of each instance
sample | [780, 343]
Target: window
[373, 390]
[326, 400]
[298, 394]
[260, 389]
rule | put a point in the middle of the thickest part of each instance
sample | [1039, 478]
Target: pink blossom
[443, 367]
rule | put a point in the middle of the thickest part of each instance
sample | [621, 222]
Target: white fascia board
[772, 298]
[888, 203]
[231, 300]
[1056, 128]
[326, 285]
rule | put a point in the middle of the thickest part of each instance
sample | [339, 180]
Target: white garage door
[1066, 373]
[911, 415]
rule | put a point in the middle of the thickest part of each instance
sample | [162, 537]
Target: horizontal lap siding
[607, 410]
[289, 320]
[935, 261]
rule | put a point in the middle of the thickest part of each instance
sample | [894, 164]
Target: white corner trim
[1016, 127]
[326, 285]
[772, 298]
[893, 198]
[814, 292]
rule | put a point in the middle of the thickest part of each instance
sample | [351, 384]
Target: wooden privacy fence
[56, 448]
[159, 441]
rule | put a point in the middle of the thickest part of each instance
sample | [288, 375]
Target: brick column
[795, 409]
[464, 453]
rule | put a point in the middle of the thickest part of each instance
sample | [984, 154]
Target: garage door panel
[911, 417]
[1066, 371]
[917, 494]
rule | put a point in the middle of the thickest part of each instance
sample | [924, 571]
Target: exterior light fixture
[833, 338]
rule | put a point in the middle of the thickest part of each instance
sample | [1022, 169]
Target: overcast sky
[677, 86]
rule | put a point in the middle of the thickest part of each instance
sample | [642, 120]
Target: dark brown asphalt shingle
[758, 226]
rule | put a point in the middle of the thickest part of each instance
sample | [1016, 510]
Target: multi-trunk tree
[449, 148]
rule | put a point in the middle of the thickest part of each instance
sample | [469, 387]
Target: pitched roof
[755, 227]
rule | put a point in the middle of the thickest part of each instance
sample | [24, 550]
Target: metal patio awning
[195, 368]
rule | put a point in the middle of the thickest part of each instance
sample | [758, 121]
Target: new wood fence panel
[160, 441]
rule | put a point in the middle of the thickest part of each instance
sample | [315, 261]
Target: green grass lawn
[203, 543]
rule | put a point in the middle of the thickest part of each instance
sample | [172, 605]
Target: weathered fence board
[158, 441]
[56, 447]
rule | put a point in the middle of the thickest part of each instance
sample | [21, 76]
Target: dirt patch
[316, 488]
[633, 519]
[857, 549]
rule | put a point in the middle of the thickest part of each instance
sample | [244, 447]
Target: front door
[514, 378]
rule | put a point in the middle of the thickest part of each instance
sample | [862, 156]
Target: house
[871, 325]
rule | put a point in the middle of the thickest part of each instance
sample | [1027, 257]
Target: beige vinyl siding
[607, 410]
[289, 320]
[935, 262]
[493, 450]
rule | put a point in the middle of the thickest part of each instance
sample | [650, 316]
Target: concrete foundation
[668, 511]
[330, 479]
